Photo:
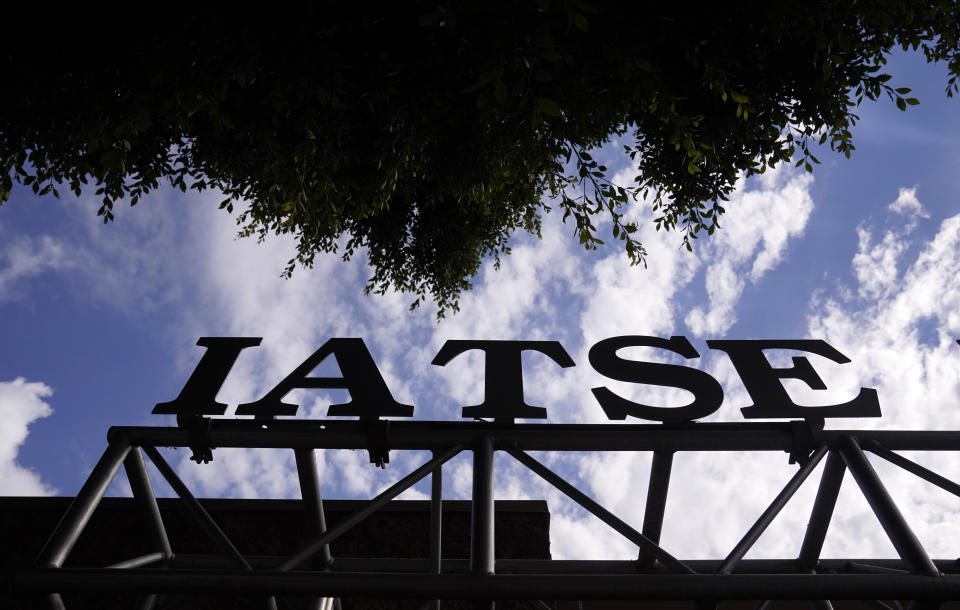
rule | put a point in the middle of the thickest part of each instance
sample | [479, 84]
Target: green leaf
[429, 19]
[581, 22]
[548, 107]
[500, 91]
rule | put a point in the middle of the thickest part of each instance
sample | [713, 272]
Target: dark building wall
[271, 528]
[263, 528]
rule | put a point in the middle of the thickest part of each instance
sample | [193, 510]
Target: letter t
[503, 385]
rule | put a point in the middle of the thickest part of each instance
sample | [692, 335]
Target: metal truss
[655, 574]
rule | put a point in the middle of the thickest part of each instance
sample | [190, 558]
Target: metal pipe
[196, 510]
[482, 553]
[147, 601]
[772, 511]
[61, 542]
[327, 434]
[600, 512]
[866, 568]
[625, 566]
[312, 499]
[481, 514]
[557, 566]
[436, 524]
[900, 534]
[138, 562]
[500, 586]
[660, 466]
[372, 506]
[146, 500]
[53, 601]
[822, 511]
[910, 466]
[313, 512]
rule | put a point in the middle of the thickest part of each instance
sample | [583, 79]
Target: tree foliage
[428, 133]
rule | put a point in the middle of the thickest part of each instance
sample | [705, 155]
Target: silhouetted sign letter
[503, 384]
[369, 395]
[762, 380]
[707, 393]
[198, 396]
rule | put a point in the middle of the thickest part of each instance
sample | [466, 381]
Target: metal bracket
[378, 442]
[803, 439]
[199, 437]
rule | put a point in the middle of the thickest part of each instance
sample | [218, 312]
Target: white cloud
[21, 403]
[876, 265]
[901, 336]
[756, 229]
[907, 204]
[545, 290]
[25, 257]
[918, 376]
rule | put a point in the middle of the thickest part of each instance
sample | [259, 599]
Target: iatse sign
[503, 399]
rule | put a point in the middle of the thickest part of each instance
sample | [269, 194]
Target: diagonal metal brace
[771, 512]
[912, 467]
[648, 546]
[892, 521]
[372, 506]
[196, 510]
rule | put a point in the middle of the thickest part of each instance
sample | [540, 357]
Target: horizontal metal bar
[138, 562]
[338, 434]
[436, 435]
[559, 566]
[745, 566]
[500, 586]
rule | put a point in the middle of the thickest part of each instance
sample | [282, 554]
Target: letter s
[708, 395]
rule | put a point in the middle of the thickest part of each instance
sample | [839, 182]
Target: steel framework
[656, 574]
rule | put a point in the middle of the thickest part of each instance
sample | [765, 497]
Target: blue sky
[100, 322]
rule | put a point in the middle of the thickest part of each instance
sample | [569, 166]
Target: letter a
[370, 397]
